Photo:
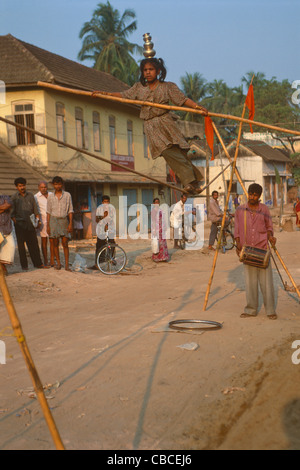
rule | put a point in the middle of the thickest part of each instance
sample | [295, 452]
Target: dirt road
[117, 378]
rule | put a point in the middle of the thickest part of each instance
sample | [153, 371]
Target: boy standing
[254, 227]
[41, 198]
[60, 220]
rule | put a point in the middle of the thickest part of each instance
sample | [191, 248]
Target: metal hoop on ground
[210, 325]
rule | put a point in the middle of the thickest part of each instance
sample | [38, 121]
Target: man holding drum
[253, 232]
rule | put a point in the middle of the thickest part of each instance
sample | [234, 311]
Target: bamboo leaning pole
[163, 106]
[286, 270]
[16, 325]
[105, 160]
[225, 209]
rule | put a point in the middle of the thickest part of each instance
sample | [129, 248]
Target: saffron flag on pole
[173, 178]
[209, 134]
[250, 104]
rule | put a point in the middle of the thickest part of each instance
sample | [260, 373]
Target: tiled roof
[247, 148]
[266, 151]
[25, 64]
[12, 167]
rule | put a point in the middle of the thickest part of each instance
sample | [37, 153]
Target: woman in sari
[297, 212]
[158, 231]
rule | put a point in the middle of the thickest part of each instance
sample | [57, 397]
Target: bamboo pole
[225, 209]
[279, 274]
[229, 158]
[286, 270]
[16, 325]
[163, 106]
[45, 136]
[216, 177]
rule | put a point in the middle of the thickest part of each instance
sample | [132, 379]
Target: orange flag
[209, 134]
[172, 174]
[173, 177]
[250, 104]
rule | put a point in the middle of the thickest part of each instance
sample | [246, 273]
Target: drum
[255, 256]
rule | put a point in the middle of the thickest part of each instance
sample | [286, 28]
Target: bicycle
[191, 238]
[111, 258]
[228, 241]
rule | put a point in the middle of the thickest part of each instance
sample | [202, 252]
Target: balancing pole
[100, 94]
[225, 208]
[29, 361]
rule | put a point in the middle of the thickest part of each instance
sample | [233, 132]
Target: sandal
[189, 188]
[247, 315]
[192, 188]
[272, 317]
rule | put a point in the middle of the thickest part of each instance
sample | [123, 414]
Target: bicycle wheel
[229, 242]
[111, 259]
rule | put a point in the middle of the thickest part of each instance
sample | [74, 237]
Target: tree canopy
[273, 103]
[105, 42]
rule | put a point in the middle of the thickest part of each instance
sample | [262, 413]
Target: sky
[220, 39]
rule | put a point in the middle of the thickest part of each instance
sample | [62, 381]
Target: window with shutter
[80, 134]
[40, 127]
[96, 131]
[112, 135]
[11, 132]
[24, 115]
[86, 135]
[60, 122]
[130, 137]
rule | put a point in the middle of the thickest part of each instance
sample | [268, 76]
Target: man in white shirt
[178, 219]
[41, 198]
[106, 222]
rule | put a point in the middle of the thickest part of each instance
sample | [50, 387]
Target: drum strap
[245, 226]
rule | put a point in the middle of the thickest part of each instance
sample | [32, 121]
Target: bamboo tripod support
[274, 247]
[163, 106]
[225, 210]
[229, 158]
[16, 325]
[246, 194]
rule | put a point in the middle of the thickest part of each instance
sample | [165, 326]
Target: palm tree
[223, 99]
[105, 38]
[194, 87]
[259, 79]
[128, 73]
